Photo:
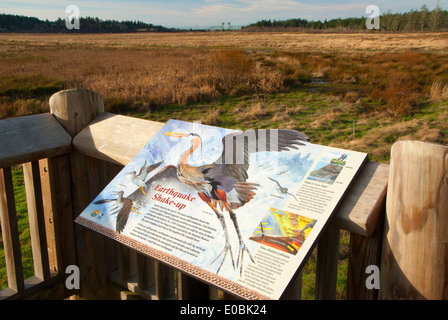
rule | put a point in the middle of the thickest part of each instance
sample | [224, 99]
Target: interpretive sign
[239, 210]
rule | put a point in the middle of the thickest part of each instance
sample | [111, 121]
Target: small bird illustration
[283, 190]
[124, 208]
[139, 178]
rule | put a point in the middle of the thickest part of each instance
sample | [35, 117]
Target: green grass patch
[328, 119]
[31, 86]
[23, 226]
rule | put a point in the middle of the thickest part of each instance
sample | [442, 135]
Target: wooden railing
[69, 156]
[37, 142]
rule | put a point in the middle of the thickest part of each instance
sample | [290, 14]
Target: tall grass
[439, 91]
[394, 83]
[138, 78]
[135, 78]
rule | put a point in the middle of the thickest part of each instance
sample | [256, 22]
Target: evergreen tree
[413, 21]
[16, 23]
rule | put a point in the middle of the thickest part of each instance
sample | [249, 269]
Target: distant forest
[421, 20]
[16, 23]
[413, 21]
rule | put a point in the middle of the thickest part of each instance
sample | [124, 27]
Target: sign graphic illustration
[217, 203]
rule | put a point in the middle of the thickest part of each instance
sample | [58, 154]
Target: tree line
[17, 23]
[419, 20]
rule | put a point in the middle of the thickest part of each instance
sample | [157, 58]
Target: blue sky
[206, 13]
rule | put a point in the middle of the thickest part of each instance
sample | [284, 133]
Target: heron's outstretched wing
[262, 140]
[238, 146]
[229, 171]
[167, 172]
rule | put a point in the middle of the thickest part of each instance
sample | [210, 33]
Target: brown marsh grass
[366, 43]
[395, 83]
[370, 80]
[439, 91]
[389, 72]
[135, 78]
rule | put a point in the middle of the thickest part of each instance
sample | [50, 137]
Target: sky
[208, 13]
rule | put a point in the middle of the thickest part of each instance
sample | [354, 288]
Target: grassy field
[357, 91]
[367, 43]
[348, 96]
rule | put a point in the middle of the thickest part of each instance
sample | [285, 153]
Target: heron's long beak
[175, 134]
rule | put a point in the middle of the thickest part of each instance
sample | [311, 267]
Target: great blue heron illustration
[223, 184]
[123, 209]
[283, 190]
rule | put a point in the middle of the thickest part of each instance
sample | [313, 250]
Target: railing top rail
[31, 138]
[115, 138]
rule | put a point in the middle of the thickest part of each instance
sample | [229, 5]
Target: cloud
[247, 11]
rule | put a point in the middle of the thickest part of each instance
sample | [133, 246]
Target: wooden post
[189, 288]
[364, 252]
[36, 218]
[75, 109]
[164, 281]
[294, 290]
[10, 232]
[145, 272]
[327, 264]
[415, 245]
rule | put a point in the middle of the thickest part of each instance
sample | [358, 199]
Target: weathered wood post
[415, 246]
[75, 109]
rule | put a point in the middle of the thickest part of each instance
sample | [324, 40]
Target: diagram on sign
[329, 167]
[283, 230]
